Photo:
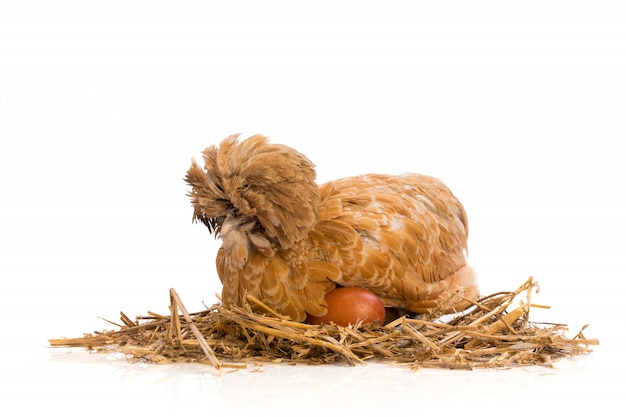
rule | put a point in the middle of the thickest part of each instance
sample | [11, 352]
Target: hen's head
[268, 190]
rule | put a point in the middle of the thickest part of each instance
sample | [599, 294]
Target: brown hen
[288, 241]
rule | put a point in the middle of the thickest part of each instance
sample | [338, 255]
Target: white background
[519, 107]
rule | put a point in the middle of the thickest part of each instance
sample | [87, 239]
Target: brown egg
[347, 305]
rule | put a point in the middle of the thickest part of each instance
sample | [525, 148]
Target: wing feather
[413, 233]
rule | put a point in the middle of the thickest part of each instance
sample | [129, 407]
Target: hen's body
[288, 241]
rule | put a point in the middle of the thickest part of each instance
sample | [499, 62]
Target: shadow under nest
[495, 332]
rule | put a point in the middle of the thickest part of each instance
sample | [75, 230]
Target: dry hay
[494, 333]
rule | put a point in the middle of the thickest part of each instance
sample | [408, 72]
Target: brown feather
[288, 241]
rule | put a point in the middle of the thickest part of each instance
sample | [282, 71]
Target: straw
[487, 335]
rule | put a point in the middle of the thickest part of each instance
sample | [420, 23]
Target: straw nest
[495, 333]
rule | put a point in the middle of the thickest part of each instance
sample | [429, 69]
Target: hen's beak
[229, 224]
